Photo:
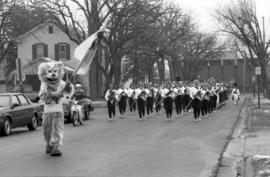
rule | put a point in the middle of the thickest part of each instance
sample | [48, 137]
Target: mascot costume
[52, 89]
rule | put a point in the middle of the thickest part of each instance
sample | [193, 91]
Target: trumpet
[112, 96]
[142, 95]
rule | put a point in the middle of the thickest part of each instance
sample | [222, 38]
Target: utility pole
[222, 69]
[263, 33]
[258, 73]
[244, 75]
[19, 74]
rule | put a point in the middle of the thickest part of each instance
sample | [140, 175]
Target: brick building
[229, 68]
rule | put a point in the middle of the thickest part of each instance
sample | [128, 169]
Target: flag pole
[86, 51]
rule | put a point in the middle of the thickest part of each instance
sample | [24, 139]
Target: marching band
[203, 98]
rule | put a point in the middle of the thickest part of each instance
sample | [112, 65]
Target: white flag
[86, 51]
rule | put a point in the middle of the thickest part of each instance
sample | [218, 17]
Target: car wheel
[68, 118]
[34, 123]
[75, 118]
[6, 128]
[87, 115]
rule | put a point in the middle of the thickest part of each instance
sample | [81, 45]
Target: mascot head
[51, 72]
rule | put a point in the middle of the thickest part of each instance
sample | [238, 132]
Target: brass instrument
[122, 94]
[142, 95]
[206, 95]
[198, 95]
[133, 94]
[179, 92]
[112, 96]
[151, 94]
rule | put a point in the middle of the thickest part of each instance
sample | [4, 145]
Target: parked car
[67, 110]
[67, 104]
[16, 110]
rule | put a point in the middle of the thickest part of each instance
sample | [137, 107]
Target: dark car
[17, 111]
[67, 110]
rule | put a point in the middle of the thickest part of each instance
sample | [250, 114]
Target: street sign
[258, 70]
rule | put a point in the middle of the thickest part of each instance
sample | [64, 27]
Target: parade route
[124, 147]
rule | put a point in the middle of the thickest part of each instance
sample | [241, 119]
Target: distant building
[48, 40]
[230, 68]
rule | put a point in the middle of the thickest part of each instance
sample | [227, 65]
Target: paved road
[123, 148]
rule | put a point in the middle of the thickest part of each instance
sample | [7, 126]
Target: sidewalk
[99, 103]
[248, 153]
[257, 139]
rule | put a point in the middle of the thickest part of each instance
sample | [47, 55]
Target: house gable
[42, 40]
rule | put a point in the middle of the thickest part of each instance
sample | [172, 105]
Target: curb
[248, 167]
[224, 161]
[99, 104]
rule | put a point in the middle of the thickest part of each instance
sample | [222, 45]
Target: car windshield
[4, 101]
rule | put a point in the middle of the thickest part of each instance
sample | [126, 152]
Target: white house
[48, 40]
[44, 40]
[3, 86]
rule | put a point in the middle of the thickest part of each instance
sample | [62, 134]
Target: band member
[122, 100]
[218, 94]
[186, 99]
[178, 99]
[195, 94]
[168, 95]
[131, 98]
[110, 96]
[235, 94]
[223, 94]
[158, 100]
[149, 99]
[205, 101]
[141, 99]
[214, 98]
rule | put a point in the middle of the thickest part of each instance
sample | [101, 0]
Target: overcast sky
[202, 10]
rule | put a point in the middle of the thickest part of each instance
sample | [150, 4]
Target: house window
[50, 29]
[40, 50]
[62, 51]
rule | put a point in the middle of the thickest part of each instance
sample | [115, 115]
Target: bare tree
[5, 32]
[240, 20]
[128, 19]
[196, 51]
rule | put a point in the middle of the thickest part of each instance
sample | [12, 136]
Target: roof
[35, 28]
[9, 93]
[32, 66]
[229, 55]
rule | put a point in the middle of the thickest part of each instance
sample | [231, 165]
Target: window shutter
[56, 52]
[34, 51]
[67, 51]
[45, 50]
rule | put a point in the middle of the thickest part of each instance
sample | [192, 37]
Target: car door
[15, 112]
[27, 109]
